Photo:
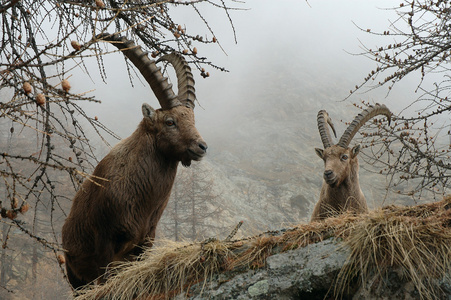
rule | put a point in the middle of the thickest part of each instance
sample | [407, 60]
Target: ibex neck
[141, 164]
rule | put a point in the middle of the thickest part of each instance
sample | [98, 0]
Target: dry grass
[162, 272]
[416, 240]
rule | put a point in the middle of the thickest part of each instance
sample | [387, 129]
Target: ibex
[112, 218]
[341, 188]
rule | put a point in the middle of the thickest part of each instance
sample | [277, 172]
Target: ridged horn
[147, 67]
[323, 119]
[360, 120]
[185, 79]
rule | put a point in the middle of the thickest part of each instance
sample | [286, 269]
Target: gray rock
[310, 273]
[259, 288]
[303, 271]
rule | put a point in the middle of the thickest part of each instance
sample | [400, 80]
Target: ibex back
[341, 188]
[113, 217]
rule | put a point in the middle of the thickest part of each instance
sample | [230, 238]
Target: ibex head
[339, 159]
[173, 125]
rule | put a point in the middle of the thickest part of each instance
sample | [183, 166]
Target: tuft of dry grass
[417, 240]
[161, 272]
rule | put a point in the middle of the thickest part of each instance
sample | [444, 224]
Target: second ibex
[114, 217]
[341, 188]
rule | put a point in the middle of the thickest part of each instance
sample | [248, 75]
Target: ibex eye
[170, 123]
[344, 157]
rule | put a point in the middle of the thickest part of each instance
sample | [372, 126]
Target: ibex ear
[148, 111]
[319, 152]
[355, 150]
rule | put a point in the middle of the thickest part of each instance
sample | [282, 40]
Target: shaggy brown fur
[113, 219]
[341, 188]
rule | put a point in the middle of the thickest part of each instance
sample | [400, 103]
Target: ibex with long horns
[112, 218]
[341, 188]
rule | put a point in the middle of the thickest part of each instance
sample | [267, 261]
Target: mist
[290, 59]
[284, 59]
[309, 45]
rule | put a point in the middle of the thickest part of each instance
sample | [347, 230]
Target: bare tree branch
[46, 139]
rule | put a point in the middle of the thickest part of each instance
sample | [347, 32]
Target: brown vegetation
[50, 140]
[415, 239]
[414, 152]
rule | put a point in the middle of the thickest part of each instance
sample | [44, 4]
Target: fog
[311, 43]
[285, 60]
[291, 58]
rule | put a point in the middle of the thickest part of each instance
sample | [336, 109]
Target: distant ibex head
[339, 159]
[174, 125]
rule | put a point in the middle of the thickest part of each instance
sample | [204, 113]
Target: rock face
[307, 273]
[262, 157]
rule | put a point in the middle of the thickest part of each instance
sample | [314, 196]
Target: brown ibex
[112, 218]
[341, 188]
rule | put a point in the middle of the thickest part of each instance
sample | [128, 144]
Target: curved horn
[147, 67]
[185, 79]
[322, 119]
[360, 120]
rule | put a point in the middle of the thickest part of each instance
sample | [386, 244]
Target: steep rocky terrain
[261, 140]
